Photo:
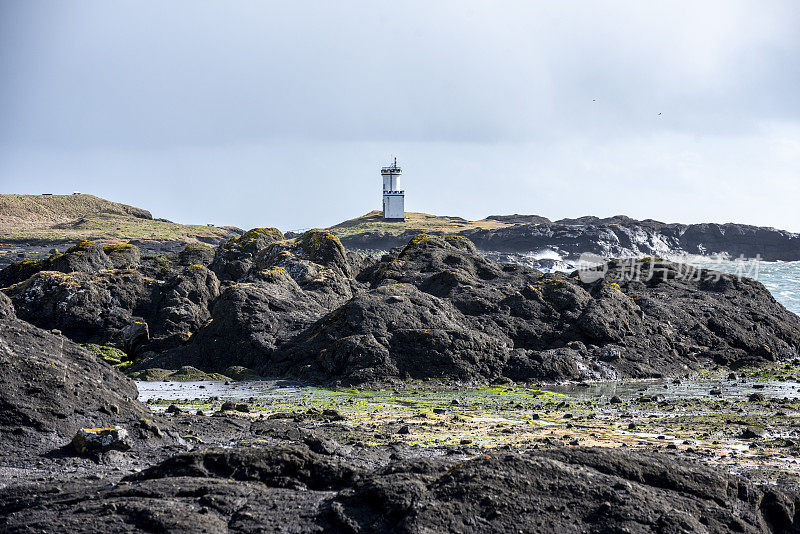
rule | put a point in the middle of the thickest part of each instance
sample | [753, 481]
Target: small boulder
[196, 254]
[123, 256]
[89, 440]
[333, 415]
[135, 334]
[753, 432]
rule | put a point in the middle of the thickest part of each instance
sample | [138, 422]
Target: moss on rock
[107, 353]
[21, 270]
[196, 253]
[233, 259]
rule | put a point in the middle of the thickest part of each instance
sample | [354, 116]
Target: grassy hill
[53, 219]
[373, 222]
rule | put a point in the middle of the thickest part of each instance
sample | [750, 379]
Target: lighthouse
[393, 196]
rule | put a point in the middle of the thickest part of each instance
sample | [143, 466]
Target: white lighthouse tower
[393, 196]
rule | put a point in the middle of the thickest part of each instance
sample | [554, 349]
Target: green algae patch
[196, 247]
[781, 371]
[108, 353]
[431, 415]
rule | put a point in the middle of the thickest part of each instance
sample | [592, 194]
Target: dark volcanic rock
[566, 490]
[20, 270]
[612, 237]
[392, 331]
[123, 256]
[434, 309]
[293, 489]
[183, 306]
[85, 306]
[233, 259]
[84, 257]
[52, 387]
[196, 254]
[439, 310]
[278, 467]
[102, 306]
[289, 286]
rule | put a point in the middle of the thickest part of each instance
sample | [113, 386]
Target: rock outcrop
[108, 292]
[291, 488]
[52, 387]
[433, 309]
[196, 254]
[85, 257]
[612, 237]
[87, 307]
[123, 256]
[437, 309]
[234, 258]
[288, 286]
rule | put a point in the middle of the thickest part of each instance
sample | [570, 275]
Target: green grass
[373, 222]
[33, 219]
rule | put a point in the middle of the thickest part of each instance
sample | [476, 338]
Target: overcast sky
[259, 113]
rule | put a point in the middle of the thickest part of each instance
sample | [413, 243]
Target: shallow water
[282, 391]
[235, 391]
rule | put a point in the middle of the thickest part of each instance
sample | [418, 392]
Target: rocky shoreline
[434, 309]
[612, 237]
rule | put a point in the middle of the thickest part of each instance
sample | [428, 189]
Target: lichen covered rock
[437, 309]
[95, 440]
[233, 259]
[123, 256]
[84, 257]
[196, 254]
[87, 307]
